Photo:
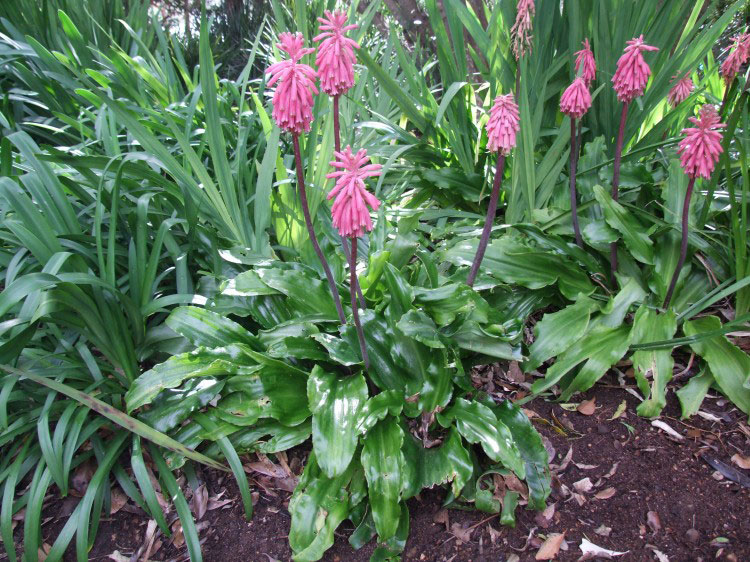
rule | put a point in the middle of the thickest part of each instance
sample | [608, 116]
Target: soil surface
[626, 486]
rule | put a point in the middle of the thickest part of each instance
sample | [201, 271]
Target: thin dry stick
[615, 188]
[355, 313]
[487, 222]
[337, 146]
[684, 244]
[311, 230]
[573, 166]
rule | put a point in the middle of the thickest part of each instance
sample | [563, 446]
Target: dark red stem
[337, 147]
[487, 222]
[573, 166]
[615, 187]
[311, 230]
[684, 244]
[355, 313]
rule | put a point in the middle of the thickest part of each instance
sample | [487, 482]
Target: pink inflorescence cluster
[585, 63]
[681, 90]
[350, 214]
[335, 58]
[293, 99]
[503, 125]
[738, 56]
[576, 100]
[632, 72]
[521, 31]
[699, 150]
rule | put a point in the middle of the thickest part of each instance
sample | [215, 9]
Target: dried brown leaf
[464, 535]
[583, 485]
[199, 502]
[741, 461]
[550, 547]
[605, 494]
[442, 517]
[603, 530]
[612, 470]
[117, 501]
[514, 373]
[587, 407]
[653, 520]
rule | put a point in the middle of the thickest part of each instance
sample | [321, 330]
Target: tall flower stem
[573, 166]
[684, 244]
[616, 186]
[479, 256]
[337, 147]
[311, 230]
[355, 312]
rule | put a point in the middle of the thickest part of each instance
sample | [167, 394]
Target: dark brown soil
[694, 515]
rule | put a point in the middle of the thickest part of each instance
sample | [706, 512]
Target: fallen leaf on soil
[43, 552]
[513, 558]
[603, 530]
[266, 467]
[117, 501]
[620, 410]
[513, 483]
[464, 535]
[178, 538]
[566, 460]
[442, 517]
[199, 503]
[117, 557]
[612, 470]
[742, 462]
[81, 478]
[587, 407]
[660, 556]
[569, 406]
[586, 466]
[550, 547]
[653, 520]
[549, 447]
[514, 372]
[667, 429]
[544, 518]
[584, 485]
[728, 471]
[580, 499]
[605, 494]
[495, 534]
[590, 551]
[147, 548]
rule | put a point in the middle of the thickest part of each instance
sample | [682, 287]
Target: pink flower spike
[350, 214]
[520, 33]
[632, 72]
[681, 90]
[699, 150]
[737, 57]
[335, 58]
[585, 63]
[293, 99]
[576, 100]
[503, 125]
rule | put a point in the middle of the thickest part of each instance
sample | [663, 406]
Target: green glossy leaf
[657, 364]
[336, 404]
[512, 262]
[532, 450]
[426, 468]
[417, 325]
[478, 424]
[633, 233]
[692, 394]
[174, 406]
[309, 294]
[205, 328]
[198, 363]
[728, 363]
[339, 349]
[474, 337]
[318, 506]
[383, 462]
[557, 331]
[445, 303]
[598, 350]
[377, 408]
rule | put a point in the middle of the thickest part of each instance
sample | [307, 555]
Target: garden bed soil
[651, 495]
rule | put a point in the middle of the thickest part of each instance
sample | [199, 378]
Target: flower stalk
[353, 284]
[491, 210]
[311, 229]
[616, 187]
[683, 244]
[573, 196]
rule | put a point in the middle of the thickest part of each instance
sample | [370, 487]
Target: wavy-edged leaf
[729, 365]
[557, 331]
[633, 233]
[426, 468]
[477, 423]
[383, 463]
[532, 450]
[336, 404]
[205, 328]
[657, 364]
